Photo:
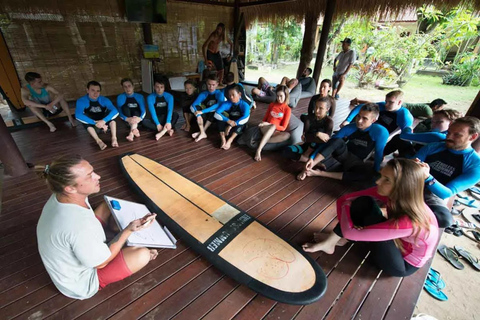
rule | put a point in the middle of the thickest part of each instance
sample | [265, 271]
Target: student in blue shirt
[160, 105]
[451, 166]
[97, 113]
[351, 146]
[131, 107]
[205, 105]
[232, 115]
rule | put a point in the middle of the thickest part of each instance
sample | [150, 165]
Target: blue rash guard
[454, 170]
[210, 100]
[136, 100]
[391, 120]
[424, 137]
[160, 104]
[245, 97]
[240, 112]
[361, 143]
[89, 111]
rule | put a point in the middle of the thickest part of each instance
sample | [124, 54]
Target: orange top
[279, 115]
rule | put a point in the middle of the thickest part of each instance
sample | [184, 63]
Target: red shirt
[279, 115]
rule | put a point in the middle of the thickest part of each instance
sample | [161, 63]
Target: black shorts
[216, 58]
[48, 114]
[131, 112]
[238, 129]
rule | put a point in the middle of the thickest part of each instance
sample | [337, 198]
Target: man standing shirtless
[43, 100]
[211, 50]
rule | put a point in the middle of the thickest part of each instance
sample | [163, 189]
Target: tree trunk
[308, 44]
[334, 35]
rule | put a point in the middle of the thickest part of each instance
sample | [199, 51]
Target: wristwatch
[430, 180]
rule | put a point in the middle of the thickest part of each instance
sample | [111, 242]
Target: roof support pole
[236, 26]
[10, 155]
[308, 44]
[322, 46]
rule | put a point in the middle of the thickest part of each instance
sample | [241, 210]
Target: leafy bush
[465, 70]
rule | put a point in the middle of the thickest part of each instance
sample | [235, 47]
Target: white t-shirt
[71, 242]
[345, 59]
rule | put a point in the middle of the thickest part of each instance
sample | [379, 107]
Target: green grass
[421, 88]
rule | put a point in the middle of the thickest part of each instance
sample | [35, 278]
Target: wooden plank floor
[180, 284]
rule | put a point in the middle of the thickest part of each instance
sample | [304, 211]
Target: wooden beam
[210, 2]
[322, 46]
[147, 33]
[236, 26]
[261, 2]
[10, 156]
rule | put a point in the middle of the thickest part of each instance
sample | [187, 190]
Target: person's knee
[136, 258]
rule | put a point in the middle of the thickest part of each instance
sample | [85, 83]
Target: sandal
[468, 256]
[451, 256]
[475, 235]
[455, 230]
[435, 278]
[434, 291]
[463, 224]
[467, 201]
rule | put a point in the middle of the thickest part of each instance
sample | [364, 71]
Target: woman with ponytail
[392, 216]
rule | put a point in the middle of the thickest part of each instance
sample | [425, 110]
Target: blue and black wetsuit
[239, 112]
[207, 102]
[451, 172]
[88, 111]
[351, 146]
[161, 109]
[417, 140]
[186, 101]
[131, 106]
[43, 98]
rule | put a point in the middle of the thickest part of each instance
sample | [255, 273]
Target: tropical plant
[465, 69]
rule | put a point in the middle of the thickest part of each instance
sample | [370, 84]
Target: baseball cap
[347, 40]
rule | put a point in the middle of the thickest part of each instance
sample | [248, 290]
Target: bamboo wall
[73, 42]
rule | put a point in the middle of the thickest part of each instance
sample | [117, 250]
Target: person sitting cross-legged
[232, 115]
[275, 121]
[160, 105]
[43, 100]
[186, 100]
[325, 87]
[400, 229]
[70, 235]
[205, 105]
[131, 107]
[229, 79]
[97, 113]
[351, 146]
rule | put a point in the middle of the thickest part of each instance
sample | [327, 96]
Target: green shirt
[419, 110]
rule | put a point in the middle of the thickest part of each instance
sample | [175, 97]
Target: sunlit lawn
[420, 88]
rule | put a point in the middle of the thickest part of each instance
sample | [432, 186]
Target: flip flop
[468, 256]
[434, 291]
[468, 202]
[475, 235]
[451, 256]
[471, 215]
[475, 190]
[455, 230]
[463, 224]
[434, 277]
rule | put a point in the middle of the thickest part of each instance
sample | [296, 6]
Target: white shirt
[345, 59]
[71, 242]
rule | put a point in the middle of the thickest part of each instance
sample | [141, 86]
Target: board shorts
[48, 114]
[114, 271]
[216, 58]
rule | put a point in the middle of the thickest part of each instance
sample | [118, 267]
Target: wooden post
[10, 156]
[147, 33]
[236, 26]
[308, 44]
[322, 46]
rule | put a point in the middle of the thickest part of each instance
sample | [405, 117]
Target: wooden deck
[180, 284]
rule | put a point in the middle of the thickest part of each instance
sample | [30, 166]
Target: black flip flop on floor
[468, 256]
[451, 256]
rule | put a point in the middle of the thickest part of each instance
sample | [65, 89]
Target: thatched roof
[271, 10]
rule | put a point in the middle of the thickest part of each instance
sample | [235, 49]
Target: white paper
[153, 236]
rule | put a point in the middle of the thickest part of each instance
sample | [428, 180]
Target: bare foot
[227, 131]
[52, 127]
[187, 128]
[257, 157]
[160, 134]
[130, 137]
[170, 132]
[314, 173]
[254, 106]
[226, 146]
[302, 175]
[101, 144]
[200, 137]
[114, 143]
[136, 133]
[195, 135]
[153, 254]
[320, 237]
[314, 247]
[303, 158]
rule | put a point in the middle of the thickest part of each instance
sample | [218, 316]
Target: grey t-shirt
[71, 242]
[345, 59]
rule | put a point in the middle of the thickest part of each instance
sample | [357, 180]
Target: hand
[354, 102]
[100, 124]
[141, 223]
[50, 107]
[303, 138]
[263, 124]
[342, 77]
[130, 120]
[425, 167]
[168, 126]
[334, 69]
[136, 119]
[232, 123]
[197, 113]
[358, 227]
[310, 164]
[159, 127]
[323, 136]
[344, 123]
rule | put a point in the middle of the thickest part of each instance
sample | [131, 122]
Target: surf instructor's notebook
[153, 236]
